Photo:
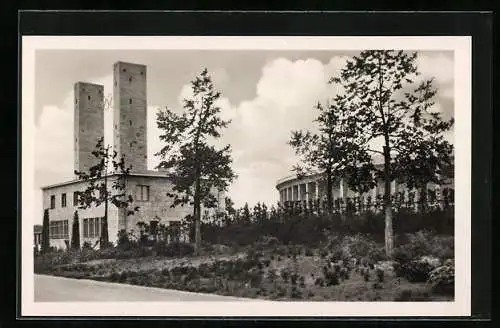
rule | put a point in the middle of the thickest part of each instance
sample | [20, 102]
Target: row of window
[92, 227]
[141, 194]
[63, 200]
[59, 229]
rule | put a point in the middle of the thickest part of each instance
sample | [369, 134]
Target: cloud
[439, 66]
[285, 97]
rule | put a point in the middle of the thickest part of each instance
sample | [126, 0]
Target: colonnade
[310, 190]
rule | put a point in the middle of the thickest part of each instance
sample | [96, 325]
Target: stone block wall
[130, 114]
[88, 123]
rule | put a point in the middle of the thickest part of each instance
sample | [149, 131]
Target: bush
[87, 246]
[380, 274]
[424, 243]
[442, 280]
[176, 249]
[124, 241]
[331, 277]
[414, 271]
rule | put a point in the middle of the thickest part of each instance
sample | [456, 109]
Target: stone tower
[130, 114]
[89, 123]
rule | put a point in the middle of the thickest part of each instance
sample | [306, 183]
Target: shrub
[176, 249]
[87, 246]
[108, 253]
[295, 293]
[302, 281]
[442, 280]
[424, 243]
[331, 276]
[319, 282]
[380, 274]
[285, 274]
[293, 278]
[267, 242]
[366, 274]
[415, 271]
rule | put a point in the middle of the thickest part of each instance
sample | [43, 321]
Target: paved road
[59, 289]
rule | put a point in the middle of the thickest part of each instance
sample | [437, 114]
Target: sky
[266, 94]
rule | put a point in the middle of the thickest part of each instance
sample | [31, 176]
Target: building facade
[149, 189]
[37, 236]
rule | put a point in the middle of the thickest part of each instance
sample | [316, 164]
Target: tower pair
[129, 118]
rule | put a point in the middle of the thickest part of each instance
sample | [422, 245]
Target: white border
[462, 55]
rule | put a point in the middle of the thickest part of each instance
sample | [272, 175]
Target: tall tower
[89, 123]
[130, 114]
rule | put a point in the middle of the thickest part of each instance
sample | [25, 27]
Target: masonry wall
[130, 114]
[88, 123]
[67, 213]
[158, 205]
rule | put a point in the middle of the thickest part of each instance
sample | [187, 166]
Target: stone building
[148, 188]
[312, 187]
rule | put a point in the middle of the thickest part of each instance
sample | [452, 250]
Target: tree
[45, 247]
[113, 192]
[194, 166]
[230, 211]
[245, 213]
[391, 107]
[75, 235]
[333, 149]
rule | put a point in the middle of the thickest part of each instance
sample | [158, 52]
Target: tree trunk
[104, 225]
[197, 218]
[329, 196]
[389, 239]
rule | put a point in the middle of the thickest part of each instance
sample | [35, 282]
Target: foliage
[424, 243]
[75, 236]
[332, 149]
[194, 166]
[45, 247]
[415, 271]
[101, 191]
[175, 249]
[442, 279]
[388, 103]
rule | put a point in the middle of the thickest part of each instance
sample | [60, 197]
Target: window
[88, 97]
[130, 79]
[75, 198]
[130, 101]
[92, 228]
[52, 201]
[142, 193]
[59, 229]
[63, 200]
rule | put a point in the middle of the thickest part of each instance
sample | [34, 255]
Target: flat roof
[149, 174]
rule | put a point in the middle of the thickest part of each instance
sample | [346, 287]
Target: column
[307, 192]
[316, 189]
